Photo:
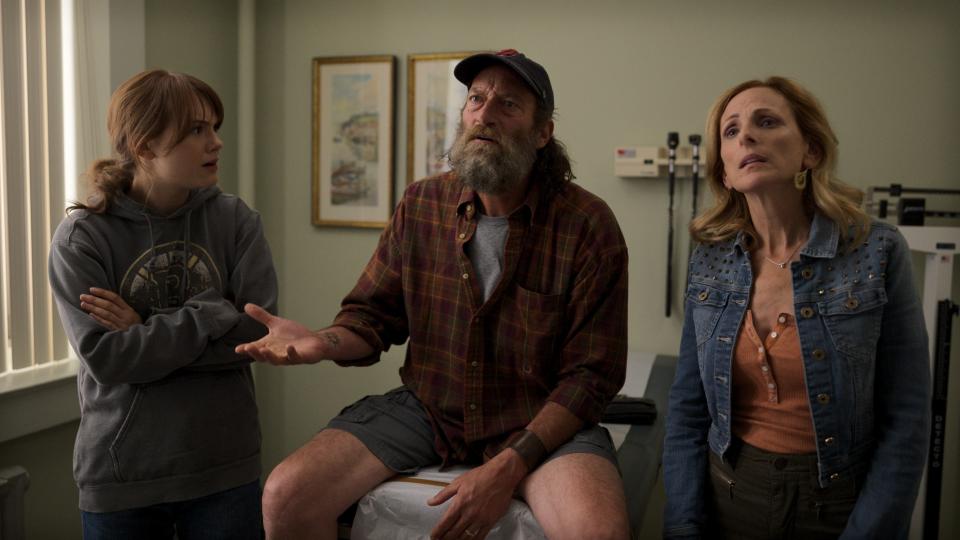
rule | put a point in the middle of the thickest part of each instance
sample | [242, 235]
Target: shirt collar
[467, 203]
[821, 243]
[824, 238]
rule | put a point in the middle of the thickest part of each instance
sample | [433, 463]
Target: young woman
[150, 278]
[801, 404]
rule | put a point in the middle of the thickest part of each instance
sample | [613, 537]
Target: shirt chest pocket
[532, 323]
[706, 305]
[853, 319]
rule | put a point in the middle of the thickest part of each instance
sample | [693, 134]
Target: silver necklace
[783, 264]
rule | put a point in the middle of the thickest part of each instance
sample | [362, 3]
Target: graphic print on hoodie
[167, 275]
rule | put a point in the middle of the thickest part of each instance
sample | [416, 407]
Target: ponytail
[109, 178]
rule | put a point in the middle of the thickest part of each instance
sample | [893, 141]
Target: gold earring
[800, 179]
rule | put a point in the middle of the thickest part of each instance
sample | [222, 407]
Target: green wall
[200, 38]
[51, 499]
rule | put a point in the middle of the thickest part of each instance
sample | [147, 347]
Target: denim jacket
[866, 368]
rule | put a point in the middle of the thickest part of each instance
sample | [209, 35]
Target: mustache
[482, 132]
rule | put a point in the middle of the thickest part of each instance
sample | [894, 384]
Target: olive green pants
[761, 495]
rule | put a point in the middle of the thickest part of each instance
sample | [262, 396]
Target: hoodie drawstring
[185, 278]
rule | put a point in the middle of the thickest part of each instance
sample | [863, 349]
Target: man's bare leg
[578, 496]
[308, 490]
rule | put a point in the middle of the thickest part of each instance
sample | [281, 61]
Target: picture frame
[434, 99]
[352, 140]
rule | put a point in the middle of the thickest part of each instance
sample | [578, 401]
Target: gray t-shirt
[485, 250]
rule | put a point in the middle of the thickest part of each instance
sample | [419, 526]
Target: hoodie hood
[127, 208]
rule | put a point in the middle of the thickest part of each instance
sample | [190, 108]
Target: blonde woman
[800, 408]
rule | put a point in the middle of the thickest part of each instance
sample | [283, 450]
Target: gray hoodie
[167, 408]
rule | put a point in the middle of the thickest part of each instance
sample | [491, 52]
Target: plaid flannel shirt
[554, 329]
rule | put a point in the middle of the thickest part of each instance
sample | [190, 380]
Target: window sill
[50, 401]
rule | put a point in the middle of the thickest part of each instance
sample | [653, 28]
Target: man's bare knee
[578, 496]
[281, 493]
[299, 494]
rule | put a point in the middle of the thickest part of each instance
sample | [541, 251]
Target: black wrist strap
[529, 446]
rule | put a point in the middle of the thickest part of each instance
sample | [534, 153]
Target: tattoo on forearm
[332, 339]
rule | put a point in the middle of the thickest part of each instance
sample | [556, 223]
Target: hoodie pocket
[187, 424]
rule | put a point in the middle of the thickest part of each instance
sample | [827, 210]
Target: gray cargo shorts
[396, 429]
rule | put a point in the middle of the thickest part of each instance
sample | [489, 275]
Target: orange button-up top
[771, 409]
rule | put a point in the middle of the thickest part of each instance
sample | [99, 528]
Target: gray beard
[492, 170]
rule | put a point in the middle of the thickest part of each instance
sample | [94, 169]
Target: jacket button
[834, 477]
[851, 303]
[823, 398]
[829, 442]
[806, 312]
[818, 354]
[807, 273]
[703, 295]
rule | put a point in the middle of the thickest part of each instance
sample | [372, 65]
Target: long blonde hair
[140, 110]
[824, 193]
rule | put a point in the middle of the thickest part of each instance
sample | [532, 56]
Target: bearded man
[510, 283]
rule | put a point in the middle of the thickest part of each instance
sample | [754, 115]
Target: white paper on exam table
[397, 510]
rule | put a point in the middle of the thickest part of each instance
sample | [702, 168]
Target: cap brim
[469, 67]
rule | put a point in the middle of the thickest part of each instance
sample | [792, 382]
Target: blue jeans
[231, 514]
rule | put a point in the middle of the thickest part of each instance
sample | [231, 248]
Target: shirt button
[851, 303]
[806, 312]
[781, 319]
[476, 320]
[771, 386]
[469, 208]
[473, 406]
[764, 369]
[829, 442]
[703, 295]
[823, 398]
[807, 273]
[474, 363]
[818, 354]
[526, 368]
[773, 334]
[465, 275]
[760, 350]
[462, 235]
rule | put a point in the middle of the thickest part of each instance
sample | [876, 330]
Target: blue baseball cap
[531, 72]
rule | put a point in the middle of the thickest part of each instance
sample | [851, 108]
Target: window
[36, 57]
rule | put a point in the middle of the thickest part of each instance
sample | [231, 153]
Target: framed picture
[434, 99]
[353, 108]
